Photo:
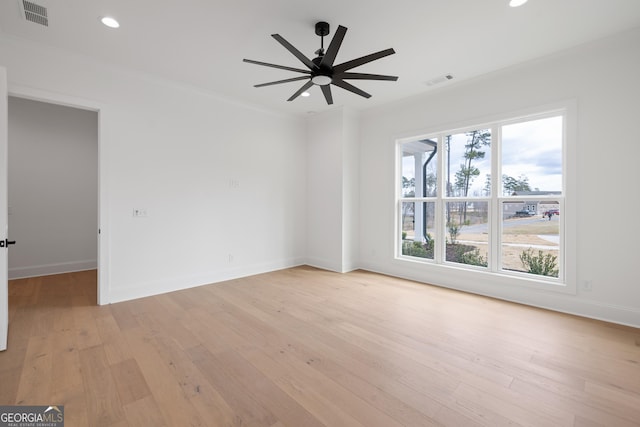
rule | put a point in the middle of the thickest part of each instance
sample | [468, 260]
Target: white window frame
[566, 280]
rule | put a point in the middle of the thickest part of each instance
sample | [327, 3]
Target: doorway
[52, 187]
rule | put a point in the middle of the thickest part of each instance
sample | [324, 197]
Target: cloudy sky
[534, 149]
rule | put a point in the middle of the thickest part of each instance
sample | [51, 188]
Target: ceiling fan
[321, 70]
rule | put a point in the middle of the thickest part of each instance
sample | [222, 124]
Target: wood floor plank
[76, 411]
[144, 413]
[450, 417]
[243, 404]
[35, 382]
[311, 348]
[306, 347]
[112, 339]
[101, 394]
[66, 360]
[623, 374]
[167, 393]
[10, 383]
[620, 401]
[514, 407]
[87, 334]
[159, 316]
[123, 315]
[212, 332]
[203, 395]
[391, 397]
[130, 382]
[584, 422]
[571, 401]
[331, 403]
[266, 392]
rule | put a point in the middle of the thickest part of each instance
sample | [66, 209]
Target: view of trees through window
[452, 211]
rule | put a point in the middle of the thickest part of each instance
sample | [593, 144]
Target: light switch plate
[139, 212]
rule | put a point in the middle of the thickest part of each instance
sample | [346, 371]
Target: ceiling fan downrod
[322, 29]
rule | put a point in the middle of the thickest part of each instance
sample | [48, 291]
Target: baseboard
[323, 264]
[563, 303]
[158, 287]
[49, 269]
[350, 266]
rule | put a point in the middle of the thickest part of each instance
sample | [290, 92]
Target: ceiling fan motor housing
[323, 75]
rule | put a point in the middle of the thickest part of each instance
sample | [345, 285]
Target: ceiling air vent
[438, 80]
[34, 12]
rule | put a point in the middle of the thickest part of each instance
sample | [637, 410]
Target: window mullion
[439, 208]
[495, 221]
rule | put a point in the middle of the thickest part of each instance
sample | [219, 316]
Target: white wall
[603, 79]
[53, 188]
[223, 183]
[324, 190]
[332, 190]
[351, 191]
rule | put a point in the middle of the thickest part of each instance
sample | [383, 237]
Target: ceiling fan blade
[306, 86]
[326, 91]
[334, 46]
[363, 76]
[282, 67]
[294, 79]
[350, 87]
[362, 60]
[306, 61]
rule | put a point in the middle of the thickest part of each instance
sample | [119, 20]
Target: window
[453, 212]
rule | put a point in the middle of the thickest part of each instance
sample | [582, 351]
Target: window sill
[469, 277]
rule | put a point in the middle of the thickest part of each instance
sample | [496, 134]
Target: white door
[4, 298]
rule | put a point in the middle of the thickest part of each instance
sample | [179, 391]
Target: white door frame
[103, 223]
[4, 265]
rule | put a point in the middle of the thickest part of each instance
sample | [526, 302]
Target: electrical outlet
[139, 212]
[587, 285]
[230, 258]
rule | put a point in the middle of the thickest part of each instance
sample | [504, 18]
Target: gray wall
[53, 188]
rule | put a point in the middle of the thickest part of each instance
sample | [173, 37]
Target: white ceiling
[202, 42]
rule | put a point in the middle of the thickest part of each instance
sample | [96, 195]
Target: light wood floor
[304, 347]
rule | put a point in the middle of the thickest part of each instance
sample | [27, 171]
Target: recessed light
[110, 22]
[516, 3]
[305, 94]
